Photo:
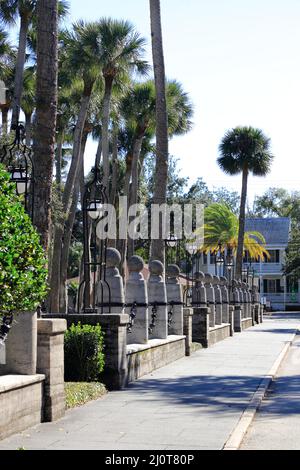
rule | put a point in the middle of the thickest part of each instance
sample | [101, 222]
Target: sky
[240, 63]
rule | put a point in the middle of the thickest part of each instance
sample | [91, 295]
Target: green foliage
[77, 394]
[222, 227]
[84, 358]
[245, 148]
[23, 272]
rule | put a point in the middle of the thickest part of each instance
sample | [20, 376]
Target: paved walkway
[277, 424]
[194, 403]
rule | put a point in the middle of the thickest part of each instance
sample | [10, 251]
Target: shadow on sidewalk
[221, 393]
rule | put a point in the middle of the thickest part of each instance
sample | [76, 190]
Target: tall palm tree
[25, 11]
[46, 111]
[139, 110]
[222, 228]
[28, 102]
[121, 51]
[162, 140]
[244, 150]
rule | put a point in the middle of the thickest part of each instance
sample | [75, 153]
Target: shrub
[23, 272]
[84, 358]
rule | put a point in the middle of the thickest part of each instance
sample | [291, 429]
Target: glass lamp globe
[22, 181]
[172, 242]
[191, 248]
[95, 210]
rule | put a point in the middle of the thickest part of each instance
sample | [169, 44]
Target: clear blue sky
[240, 63]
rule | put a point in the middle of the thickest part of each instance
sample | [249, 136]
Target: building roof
[275, 230]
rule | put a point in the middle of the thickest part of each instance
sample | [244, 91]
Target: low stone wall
[21, 403]
[144, 359]
[246, 323]
[219, 333]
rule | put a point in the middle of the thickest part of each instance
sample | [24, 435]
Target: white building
[276, 288]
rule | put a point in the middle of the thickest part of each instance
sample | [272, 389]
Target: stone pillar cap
[113, 258]
[156, 268]
[173, 271]
[199, 276]
[135, 264]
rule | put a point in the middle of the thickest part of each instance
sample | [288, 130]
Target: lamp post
[17, 159]
[219, 262]
[171, 243]
[94, 251]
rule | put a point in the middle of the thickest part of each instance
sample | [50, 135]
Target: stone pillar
[225, 299]
[21, 346]
[218, 300]
[110, 292]
[201, 326]
[199, 298]
[175, 300]
[50, 362]
[242, 300]
[188, 329]
[210, 294]
[137, 301]
[157, 296]
[231, 319]
[235, 301]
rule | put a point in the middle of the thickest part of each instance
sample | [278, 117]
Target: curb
[236, 438]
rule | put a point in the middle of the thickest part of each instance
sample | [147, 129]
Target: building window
[213, 258]
[204, 259]
[273, 286]
[274, 256]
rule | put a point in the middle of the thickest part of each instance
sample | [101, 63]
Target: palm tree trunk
[4, 114]
[28, 117]
[133, 198]
[240, 248]
[46, 111]
[115, 169]
[162, 143]
[67, 202]
[21, 57]
[58, 161]
[69, 230]
[105, 131]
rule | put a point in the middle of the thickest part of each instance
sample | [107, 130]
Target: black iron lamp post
[94, 249]
[171, 243]
[17, 159]
[220, 262]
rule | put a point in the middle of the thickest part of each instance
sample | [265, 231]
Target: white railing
[267, 268]
[282, 298]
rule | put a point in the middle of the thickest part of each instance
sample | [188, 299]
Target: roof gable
[275, 230]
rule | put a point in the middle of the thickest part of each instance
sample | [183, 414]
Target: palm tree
[7, 58]
[162, 141]
[244, 150]
[222, 229]
[10, 12]
[139, 110]
[46, 111]
[121, 52]
[28, 101]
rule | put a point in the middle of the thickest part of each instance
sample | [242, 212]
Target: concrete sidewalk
[194, 403]
[277, 423]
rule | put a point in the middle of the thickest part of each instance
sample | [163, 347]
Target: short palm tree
[222, 229]
[244, 150]
[121, 51]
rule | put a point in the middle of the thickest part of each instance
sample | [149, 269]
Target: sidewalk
[277, 424]
[194, 403]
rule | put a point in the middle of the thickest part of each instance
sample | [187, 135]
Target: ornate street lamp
[220, 261]
[17, 159]
[94, 250]
[171, 243]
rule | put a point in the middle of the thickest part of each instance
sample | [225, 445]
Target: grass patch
[79, 393]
